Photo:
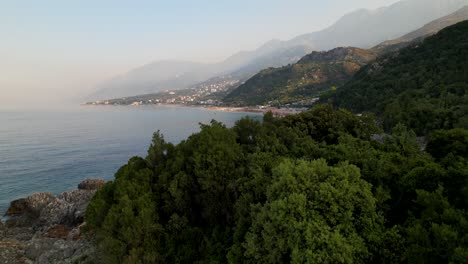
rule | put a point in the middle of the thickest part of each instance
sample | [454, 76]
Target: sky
[55, 51]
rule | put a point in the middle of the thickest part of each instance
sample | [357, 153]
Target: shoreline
[246, 109]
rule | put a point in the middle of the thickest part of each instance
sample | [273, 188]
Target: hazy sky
[51, 50]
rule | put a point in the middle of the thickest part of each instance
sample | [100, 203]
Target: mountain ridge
[313, 73]
[423, 86]
[427, 30]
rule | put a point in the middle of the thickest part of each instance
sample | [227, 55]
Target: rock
[25, 260]
[58, 231]
[18, 233]
[44, 210]
[74, 234]
[379, 137]
[10, 251]
[62, 251]
[17, 207]
[56, 212]
[91, 184]
[44, 228]
[79, 200]
[67, 209]
[32, 204]
[25, 211]
[38, 246]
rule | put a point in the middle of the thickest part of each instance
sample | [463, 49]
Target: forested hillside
[305, 79]
[423, 86]
[308, 188]
[323, 186]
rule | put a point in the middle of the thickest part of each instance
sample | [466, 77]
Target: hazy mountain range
[425, 31]
[362, 29]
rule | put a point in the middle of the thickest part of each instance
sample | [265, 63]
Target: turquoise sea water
[53, 150]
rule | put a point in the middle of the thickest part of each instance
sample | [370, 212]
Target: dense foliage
[323, 186]
[305, 79]
[423, 86]
[313, 187]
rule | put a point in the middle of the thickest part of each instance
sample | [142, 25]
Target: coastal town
[208, 95]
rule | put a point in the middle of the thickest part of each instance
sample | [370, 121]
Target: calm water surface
[53, 150]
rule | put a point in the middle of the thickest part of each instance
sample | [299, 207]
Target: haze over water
[53, 150]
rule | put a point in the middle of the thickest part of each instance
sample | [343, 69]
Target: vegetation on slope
[305, 79]
[423, 86]
[312, 188]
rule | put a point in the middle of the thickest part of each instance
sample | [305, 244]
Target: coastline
[246, 109]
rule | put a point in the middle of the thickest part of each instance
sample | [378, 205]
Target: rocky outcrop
[43, 228]
[67, 208]
[31, 205]
[91, 184]
[44, 210]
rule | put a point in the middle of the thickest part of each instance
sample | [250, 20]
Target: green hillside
[423, 86]
[314, 73]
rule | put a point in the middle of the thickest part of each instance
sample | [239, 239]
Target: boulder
[47, 228]
[17, 207]
[91, 184]
[44, 210]
[37, 246]
[32, 204]
[25, 211]
[67, 209]
[74, 234]
[58, 231]
[60, 251]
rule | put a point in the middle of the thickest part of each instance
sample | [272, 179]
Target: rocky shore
[44, 228]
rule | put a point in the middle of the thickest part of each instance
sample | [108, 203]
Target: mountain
[424, 86]
[362, 29]
[312, 74]
[367, 28]
[174, 75]
[299, 81]
[426, 31]
[158, 75]
[437, 25]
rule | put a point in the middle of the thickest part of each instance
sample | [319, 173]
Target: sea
[52, 150]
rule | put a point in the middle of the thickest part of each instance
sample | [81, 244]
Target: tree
[439, 232]
[127, 222]
[443, 142]
[314, 213]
